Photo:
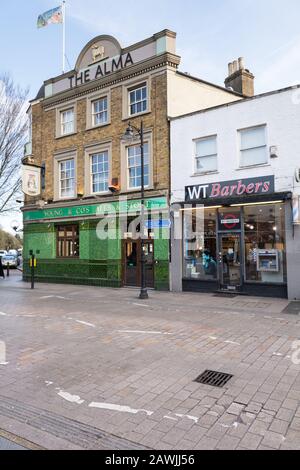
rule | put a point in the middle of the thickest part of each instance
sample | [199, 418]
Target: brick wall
[45, 144]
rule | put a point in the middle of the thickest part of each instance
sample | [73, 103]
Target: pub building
[235, 189]
[77, 121]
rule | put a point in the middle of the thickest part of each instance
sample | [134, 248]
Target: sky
[209, 35]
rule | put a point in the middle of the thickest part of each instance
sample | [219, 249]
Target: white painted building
[239, 160]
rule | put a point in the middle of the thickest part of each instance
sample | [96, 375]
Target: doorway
[132, 263]
[230, 263]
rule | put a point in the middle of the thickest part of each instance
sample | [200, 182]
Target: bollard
[7, 269]
[32, 271]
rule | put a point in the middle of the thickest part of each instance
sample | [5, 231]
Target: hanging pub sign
[230, 189]
[31, 180]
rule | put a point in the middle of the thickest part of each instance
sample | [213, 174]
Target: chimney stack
[239, 78]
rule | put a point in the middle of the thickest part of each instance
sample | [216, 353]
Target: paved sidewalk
[9, 445]
[88, 367]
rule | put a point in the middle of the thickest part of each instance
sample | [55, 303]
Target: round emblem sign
[230, 221]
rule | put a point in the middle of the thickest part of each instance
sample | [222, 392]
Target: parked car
[3, 253]
[10, 260]
[16, 254]
[13, 252]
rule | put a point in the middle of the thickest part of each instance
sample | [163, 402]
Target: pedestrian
[1, 269]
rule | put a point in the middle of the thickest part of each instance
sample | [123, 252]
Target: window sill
[65, 199]
[138, 189]
[205, 173]
[260, 165]
[104, 193]
[133, 116]
[98, 126]
[65, 135]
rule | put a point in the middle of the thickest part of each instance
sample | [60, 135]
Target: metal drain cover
[213, 378]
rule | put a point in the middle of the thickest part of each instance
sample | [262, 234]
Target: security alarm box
[268, 261]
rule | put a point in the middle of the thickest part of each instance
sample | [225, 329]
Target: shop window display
[265, 255]
[200, 246]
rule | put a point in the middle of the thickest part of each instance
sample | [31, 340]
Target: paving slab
[83, 362]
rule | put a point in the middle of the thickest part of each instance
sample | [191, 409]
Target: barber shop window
[206, 159]
[253, 146]
[68, 241]
[200, 245]
[265, 246]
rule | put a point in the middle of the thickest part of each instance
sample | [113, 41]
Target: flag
[54, 16]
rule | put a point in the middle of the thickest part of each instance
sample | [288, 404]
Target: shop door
[230, 262]
[132, 263]
[149, 262]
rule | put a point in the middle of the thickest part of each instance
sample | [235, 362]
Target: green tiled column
[161, 256]
[114, 253]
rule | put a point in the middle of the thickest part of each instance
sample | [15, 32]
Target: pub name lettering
[102, 70]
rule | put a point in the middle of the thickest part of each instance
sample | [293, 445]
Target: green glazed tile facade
[100, 261]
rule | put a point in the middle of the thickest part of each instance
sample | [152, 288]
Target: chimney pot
[239, 78]
[241, 63]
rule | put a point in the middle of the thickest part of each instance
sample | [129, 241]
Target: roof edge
[236, 102]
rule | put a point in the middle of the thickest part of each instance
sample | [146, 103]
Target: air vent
[213, 378]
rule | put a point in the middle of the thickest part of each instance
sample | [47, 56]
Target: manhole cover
[213, 378]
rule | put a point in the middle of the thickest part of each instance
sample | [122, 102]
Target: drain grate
[213, 378]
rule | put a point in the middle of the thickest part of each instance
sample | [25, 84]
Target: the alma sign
[100, 70]
[231, 189]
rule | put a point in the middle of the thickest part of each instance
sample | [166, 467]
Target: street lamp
[129, 137]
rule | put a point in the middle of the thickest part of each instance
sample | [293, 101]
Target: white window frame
[94, 154]
[91, 99]
[265, 146]
[132, 188]
[90, 150]
[60, 163]
[59, 158]
[59, 112]
[141, 87]
[63, 124]
[131, 87]
[104, 111]
[197, 171]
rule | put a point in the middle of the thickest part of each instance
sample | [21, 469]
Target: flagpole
[64, 36]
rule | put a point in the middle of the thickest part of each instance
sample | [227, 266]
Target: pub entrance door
[132, 263]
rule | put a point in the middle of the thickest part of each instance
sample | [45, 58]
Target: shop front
[234, 238]
[98, 244]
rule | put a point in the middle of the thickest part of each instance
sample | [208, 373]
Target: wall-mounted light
[273, 151]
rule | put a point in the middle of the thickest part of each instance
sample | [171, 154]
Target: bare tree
[13, 132]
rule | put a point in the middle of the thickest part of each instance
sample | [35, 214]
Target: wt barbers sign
[230, 189]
